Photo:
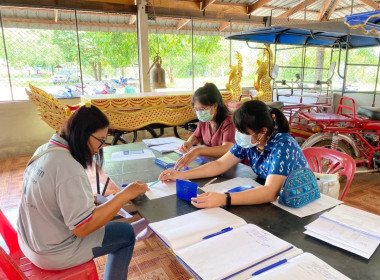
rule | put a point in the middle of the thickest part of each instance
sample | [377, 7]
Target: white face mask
[244, 140]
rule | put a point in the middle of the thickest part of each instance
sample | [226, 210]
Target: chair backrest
[9, 267]
[323, 160]
[351, 108]
[9, 234]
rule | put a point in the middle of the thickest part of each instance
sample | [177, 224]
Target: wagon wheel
[121, 137]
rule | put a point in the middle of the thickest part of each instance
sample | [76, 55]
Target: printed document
[230, 253]
[316, 206]
[167, 148]
[182, 231]
[131, 155]
[161, 141]
[305, 266]
[161, 190]
[356, 219]
[343, 237]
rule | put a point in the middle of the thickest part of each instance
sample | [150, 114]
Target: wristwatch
[228, 199]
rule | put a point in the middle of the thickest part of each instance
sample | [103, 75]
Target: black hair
[256, 115]
[209, 95]
[78, 129]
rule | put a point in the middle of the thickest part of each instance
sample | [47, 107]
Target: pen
[217, 233]
[209, 182]
[269, 267]
[151, 185]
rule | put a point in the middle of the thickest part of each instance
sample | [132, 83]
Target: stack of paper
[167, 148]
[348, 228]
[131, 155]
[323, 203]
[215, 244]
[160, 141]
[163, 145]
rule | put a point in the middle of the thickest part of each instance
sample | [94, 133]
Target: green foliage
[114, 51]
[175, 51]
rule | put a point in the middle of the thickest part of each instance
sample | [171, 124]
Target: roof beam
[55, 15]
[297, 8]
[212, 15]
[73, 4]
[132, 19]
[258, 4]
[370, 3]
[224, 25]
[181, 23]
[286, 9]
[331, 11]
[325, 5]
[205, 3]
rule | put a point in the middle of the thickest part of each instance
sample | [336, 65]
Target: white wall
[22, 130]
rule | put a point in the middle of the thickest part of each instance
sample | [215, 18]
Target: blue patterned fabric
[299, 188]
[281, 156]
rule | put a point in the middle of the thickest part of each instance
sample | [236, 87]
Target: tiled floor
[151, 260]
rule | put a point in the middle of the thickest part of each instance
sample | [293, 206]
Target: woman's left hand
[209, 200]
[186, 159]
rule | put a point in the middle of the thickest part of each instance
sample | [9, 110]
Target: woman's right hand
[185, 147]
[169, 175]
[136, 188]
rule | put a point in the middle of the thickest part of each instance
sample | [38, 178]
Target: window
[42, 48]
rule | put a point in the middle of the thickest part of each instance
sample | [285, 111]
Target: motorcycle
[106, 90]
[356, 133]
[122, 82]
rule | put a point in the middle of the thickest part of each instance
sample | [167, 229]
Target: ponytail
[255, 115]
[280, 121]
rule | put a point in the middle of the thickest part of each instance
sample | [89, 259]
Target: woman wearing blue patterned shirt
[262, 137]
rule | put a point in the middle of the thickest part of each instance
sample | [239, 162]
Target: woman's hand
[185, 147]
[134, 189]
[209, 200]
[186, 159]
[169, 175]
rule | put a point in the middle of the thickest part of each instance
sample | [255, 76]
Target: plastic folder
[165, 162]
[186, 190]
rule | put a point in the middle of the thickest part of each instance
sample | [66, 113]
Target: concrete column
[143, 45]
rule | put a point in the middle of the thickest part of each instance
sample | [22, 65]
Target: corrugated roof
[93, 21]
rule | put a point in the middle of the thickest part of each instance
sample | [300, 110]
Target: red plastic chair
[17, 267]
[323, 160]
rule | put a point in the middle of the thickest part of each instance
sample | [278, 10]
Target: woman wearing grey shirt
[59, 226]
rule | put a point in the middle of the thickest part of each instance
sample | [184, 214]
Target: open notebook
[305, 266]
[244, 246]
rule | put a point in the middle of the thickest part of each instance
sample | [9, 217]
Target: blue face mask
[244, 140]
[204, 115]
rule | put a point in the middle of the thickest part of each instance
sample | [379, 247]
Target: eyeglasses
[102, 141]
[200, 109]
